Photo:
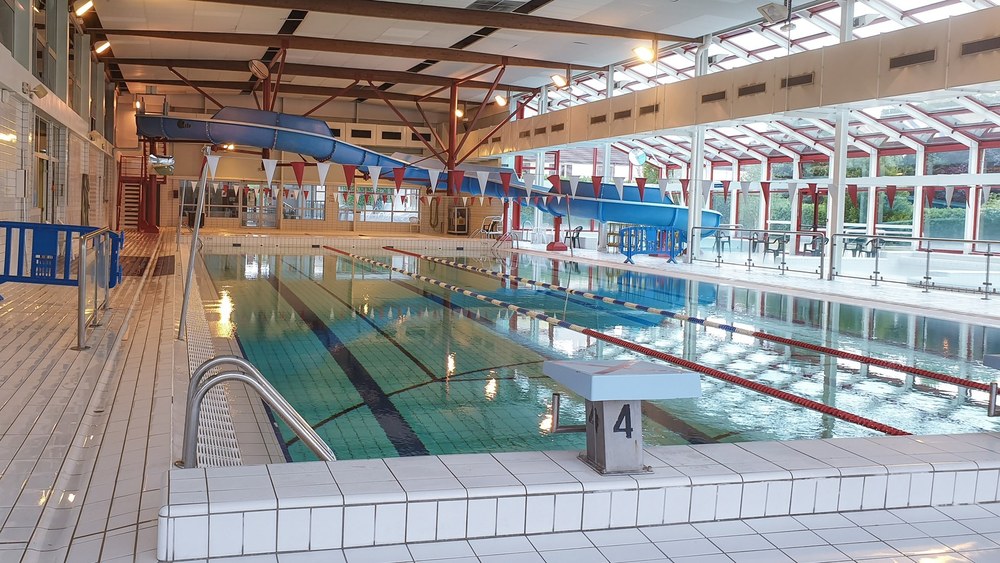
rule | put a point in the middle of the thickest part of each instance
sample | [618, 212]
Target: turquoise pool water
[384, 365]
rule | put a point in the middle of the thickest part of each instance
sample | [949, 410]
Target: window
[814, 169]
[223, 200]
[308, 202]
[384, 205]
[7, 25]
[948, 162]
[781, 171]
[897, 165]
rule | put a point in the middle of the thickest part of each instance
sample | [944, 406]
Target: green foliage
[650, 172]
[898, 165]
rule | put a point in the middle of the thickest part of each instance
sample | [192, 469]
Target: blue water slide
[313, 137]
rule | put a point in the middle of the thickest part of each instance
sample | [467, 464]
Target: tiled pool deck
[88, 436]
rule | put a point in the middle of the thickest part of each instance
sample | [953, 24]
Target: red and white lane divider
[712, 372]
[912, 370]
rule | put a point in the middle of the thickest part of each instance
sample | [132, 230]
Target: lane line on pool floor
[396, 428]
[712, 372]
[912, 370]
[667, 420]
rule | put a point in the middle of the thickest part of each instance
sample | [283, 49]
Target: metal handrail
[201, 383]
[81, 312]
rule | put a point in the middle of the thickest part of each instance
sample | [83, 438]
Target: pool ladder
[202, 382]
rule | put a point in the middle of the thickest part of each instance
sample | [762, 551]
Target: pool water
[384, 365]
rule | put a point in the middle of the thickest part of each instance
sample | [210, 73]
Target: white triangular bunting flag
[744, 190]
[529, 183]
[213, 164]
[433, 174]
[465, 201]
[483, 177]
[949, 191]
[375, 172]
[269, 166]
[985, 193]
[574, 181]
[215, 187]
[619, 185]
[662, 182]
[706, 186]
[322, 168]
[482, 201]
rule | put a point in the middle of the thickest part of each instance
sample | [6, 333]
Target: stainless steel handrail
[754, 237]
[201, 383]
[81, 314]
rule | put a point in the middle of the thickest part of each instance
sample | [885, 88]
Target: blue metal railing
[41, 253]
[634, 241]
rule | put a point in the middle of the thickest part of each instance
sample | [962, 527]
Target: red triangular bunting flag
[929, 192]
[725, 189]
[505, 182]
[455, 181]
[489, 200]
[765, 188]
[556, 183]
[598, 183]
[299, 169]
[890, 195]
[641, 184]
[349, 174]
[305, 194]
[684, 189]
[852, 192]
[812, 191]
[397, 176]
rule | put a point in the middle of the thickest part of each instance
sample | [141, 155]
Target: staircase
[130, 206]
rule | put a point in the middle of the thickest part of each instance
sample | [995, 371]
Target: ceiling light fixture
[559, 80]
[774, 12]
[102, 46]
[644, 54]
[787, 27]
[138, 104]
[459, 113]
[501, 100]
[38, 91]
[83, 8]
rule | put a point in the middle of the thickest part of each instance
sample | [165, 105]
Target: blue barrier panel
[41, 253]
[651, 240]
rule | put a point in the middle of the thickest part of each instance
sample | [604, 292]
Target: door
[260, 207]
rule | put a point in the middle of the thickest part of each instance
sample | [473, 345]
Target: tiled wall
[72, 157]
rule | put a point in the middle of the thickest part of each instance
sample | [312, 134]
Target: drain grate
[164, 266]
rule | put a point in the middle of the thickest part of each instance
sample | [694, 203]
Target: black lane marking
[416, 361]
[665, 419]
[397, 430]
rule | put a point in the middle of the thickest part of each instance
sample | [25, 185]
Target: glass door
[260, 207]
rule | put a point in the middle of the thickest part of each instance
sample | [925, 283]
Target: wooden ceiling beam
[322, 44]
[458, 16]
[318, 71]
[357, 92]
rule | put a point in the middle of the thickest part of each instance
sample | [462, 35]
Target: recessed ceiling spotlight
[559, 80]
[83, 7]
[644, 54]
[102, 46]
[501, 100]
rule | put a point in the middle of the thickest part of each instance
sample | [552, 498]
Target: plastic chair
[775, 245]
[574, 237]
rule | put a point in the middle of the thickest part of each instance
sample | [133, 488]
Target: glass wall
[989, 211]
[949, 162]
[780, 210]
[307, 202]
[383, 205]
[781, 170]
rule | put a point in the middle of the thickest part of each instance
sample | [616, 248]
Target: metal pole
[875, 245]
[81, 321]
[927, 270]
[987, 284]
[194, 250]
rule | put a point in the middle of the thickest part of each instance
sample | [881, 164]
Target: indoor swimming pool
[384, 365]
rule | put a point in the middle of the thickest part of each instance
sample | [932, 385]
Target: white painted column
[838, 162]
[918, 196]
[602, 227]
[697, 164]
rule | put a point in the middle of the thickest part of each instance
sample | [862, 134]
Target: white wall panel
[965, 70]
[915, 78]
[807, 66]
[850, 71]
[753, 104]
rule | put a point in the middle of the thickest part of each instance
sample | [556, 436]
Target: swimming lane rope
[912, 370]
[693, 366]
